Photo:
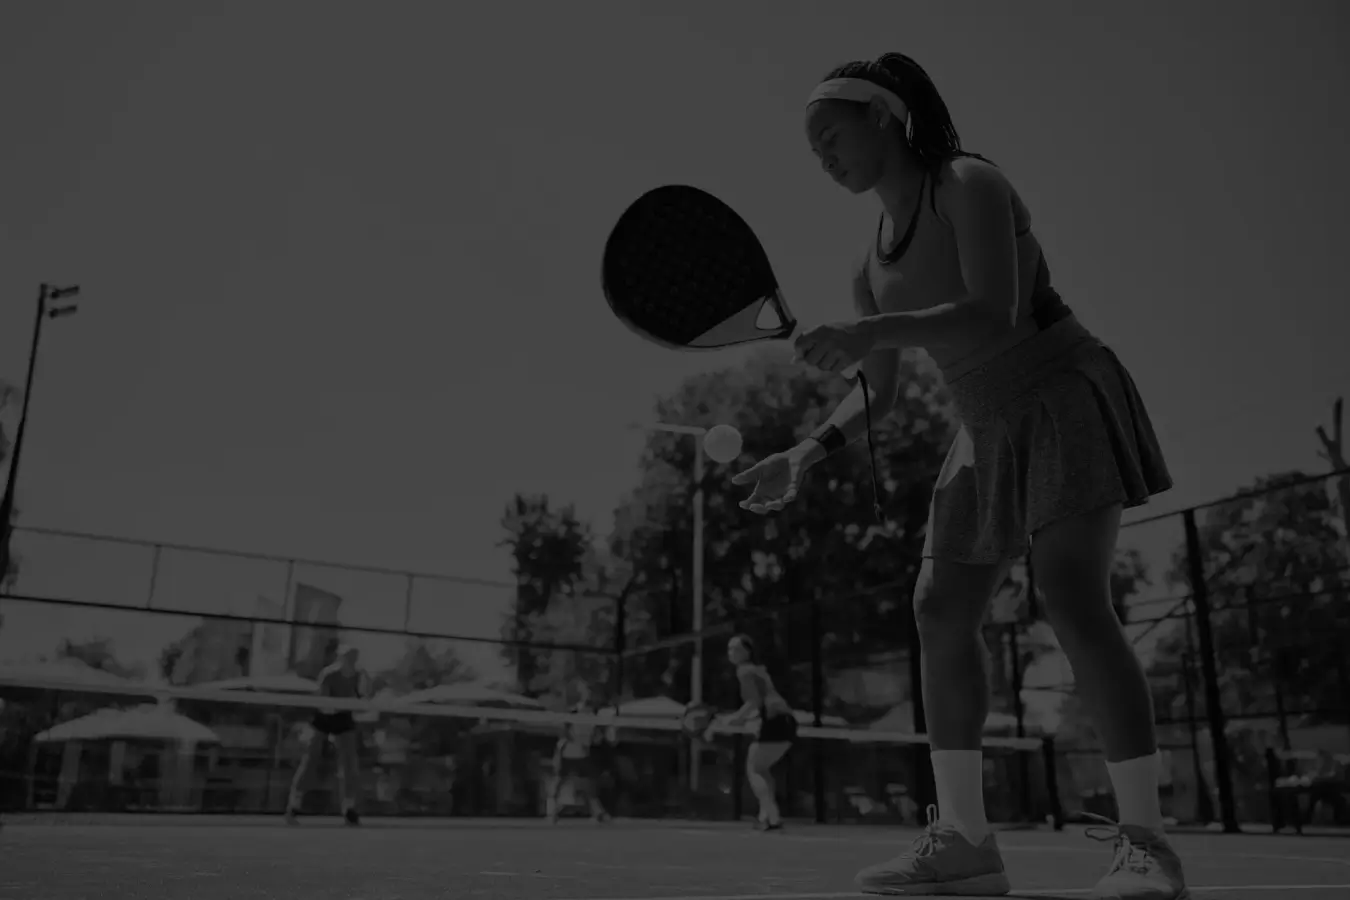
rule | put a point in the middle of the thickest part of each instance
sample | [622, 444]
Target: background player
[574, 759]
[345, 679]
[777, 727]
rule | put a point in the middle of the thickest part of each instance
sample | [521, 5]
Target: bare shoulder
[970, 186]
[971, 170]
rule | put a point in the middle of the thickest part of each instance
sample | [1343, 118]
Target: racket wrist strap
[830, 438]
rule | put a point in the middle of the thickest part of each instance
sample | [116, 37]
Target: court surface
[214, 858]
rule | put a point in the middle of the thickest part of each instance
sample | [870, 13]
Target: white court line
[1009, 848]
[1029, 893]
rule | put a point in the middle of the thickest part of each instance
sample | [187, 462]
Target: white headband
[859, 90]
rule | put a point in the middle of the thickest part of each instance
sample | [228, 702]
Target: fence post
[818, 773]
[620, 645]
[407, 604]
[1223, 776]
[154, 578]
[1023, 764]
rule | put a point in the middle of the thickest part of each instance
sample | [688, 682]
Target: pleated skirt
[1051, 429]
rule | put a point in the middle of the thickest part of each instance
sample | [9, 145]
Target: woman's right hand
[777, 478]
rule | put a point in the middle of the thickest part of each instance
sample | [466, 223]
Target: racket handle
[851, 373]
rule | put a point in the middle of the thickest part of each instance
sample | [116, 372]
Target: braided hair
[931, 135]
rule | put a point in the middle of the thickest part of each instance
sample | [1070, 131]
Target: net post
[1048, 755]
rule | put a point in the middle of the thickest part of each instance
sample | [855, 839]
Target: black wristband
[829, 437]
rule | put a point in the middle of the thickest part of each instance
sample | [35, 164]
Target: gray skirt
[1051, 429]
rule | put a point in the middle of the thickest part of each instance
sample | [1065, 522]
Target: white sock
[1136, 785]
[960, 792]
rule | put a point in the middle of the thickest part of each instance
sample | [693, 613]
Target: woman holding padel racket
[1054, 442]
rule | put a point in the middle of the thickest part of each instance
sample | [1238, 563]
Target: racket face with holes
[683, 270]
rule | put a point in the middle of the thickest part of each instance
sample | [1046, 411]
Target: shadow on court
[214, 858]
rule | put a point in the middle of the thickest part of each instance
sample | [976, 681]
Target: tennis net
[132, 747]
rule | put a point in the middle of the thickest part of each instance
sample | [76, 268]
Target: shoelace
[927, 843]
[1129, 855]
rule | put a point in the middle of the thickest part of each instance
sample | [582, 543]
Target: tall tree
[550, 551]
[423, 665]
[98, 653]
[1276, 578]
[1275, 572]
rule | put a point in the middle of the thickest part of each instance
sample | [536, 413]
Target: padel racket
[684, 270]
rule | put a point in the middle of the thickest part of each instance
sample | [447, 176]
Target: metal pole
[696, 676]
[1019, 710]
[407, 605]
[1209, 672]
[696, 673]
[11, 480]
[154, 578]
[620, 645]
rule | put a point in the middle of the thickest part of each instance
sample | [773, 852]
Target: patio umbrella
[66, 670]
[290, 683]
[471, 694]
[150, 722]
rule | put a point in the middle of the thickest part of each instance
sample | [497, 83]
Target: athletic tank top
[333, 682]
[578, 738]
[771, 703]
[928, 273]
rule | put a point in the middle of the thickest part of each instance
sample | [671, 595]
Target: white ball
[722, 443]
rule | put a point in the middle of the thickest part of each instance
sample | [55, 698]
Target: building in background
[314, 636]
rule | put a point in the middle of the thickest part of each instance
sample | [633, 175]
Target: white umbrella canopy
[290, 683]
[150, 722]
[471, 694]
[66, 669]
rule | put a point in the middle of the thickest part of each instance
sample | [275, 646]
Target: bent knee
[951, 598]
[1077, 599]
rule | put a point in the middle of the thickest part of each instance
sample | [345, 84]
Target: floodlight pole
[696, 664]
[49, 306]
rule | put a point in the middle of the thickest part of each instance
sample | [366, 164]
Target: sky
[340, 261]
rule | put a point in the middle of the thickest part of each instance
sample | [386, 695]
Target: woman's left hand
[835, 347]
